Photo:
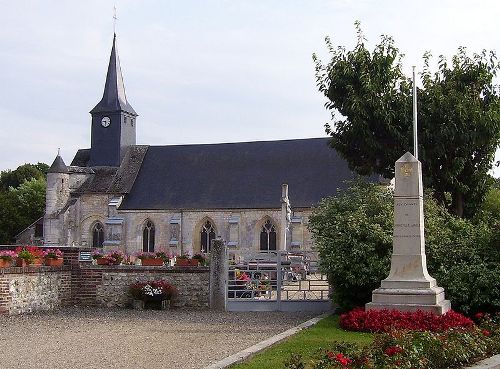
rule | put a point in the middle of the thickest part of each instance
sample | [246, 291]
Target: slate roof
[237, 175]
[58, 166]
[81, 158]
[111, 180]
[114, 97]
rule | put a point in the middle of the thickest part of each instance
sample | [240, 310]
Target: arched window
[268, 237]
[207, 235]
[148, 237]
[97, 235]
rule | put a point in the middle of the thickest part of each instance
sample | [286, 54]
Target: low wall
[108, 285]
[32, 289]
[27, 290]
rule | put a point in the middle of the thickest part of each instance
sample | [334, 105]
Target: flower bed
[387, 320]
[407, 349]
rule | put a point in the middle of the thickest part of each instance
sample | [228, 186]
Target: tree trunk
[457, 204]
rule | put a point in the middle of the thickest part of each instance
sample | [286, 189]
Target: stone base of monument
[405, 296]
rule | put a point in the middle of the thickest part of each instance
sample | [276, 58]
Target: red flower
[486, 332]
[393, 350]
[478, 316]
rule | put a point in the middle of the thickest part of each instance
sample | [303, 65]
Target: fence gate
[276, 281]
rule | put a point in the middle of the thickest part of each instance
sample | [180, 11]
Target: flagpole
[415, 142]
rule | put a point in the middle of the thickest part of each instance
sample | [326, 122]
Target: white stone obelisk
[409, 286]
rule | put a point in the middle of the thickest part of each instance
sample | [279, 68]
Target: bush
[353, 233]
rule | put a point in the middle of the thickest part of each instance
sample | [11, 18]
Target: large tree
[459, 116]
[22, 198]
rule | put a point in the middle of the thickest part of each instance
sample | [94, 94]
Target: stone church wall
[179, 232]
[91, 209]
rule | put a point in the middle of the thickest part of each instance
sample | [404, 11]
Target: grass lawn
[306, 343]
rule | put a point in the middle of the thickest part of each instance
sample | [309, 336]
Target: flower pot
[5, 263]
[54, 262]
[152, 262]
[138, 305]
[102, 261]
[182, 262]
[37, 262]
[194, 262]
[21, 262]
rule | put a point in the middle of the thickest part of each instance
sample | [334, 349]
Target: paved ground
[111, 338]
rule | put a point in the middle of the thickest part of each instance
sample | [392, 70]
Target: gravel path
[110, 338]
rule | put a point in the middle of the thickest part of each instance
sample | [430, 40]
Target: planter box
[187, 262]
[5, 263]
[152, 262]
[102, 261]
[54, 262]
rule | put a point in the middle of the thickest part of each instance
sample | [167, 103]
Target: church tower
[113, 119]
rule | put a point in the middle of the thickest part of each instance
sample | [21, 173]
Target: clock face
[105, 122]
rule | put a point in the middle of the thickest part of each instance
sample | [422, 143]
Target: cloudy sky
[202, 71]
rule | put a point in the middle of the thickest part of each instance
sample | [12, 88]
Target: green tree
[459, 116]
[22, 199]
[24, 172]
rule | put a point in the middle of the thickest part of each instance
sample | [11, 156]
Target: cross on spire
[114, 19]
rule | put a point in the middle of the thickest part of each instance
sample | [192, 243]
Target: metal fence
[276, 281]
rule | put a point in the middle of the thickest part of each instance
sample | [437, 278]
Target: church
[178, 198]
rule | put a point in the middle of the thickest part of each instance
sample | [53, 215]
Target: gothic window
[97, 235]
[207, 235]
[268, 237]
[148, 237]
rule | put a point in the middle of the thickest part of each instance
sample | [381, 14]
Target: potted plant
[115, 257]
[26, 255]
[152, 294]
[201, 258]
[53, 257]
[183, 260]
[6, 258]
[98, 256]
[149, 259]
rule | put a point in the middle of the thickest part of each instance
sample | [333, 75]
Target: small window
[268, 236]
[148, 237]
[207, 235]
[98, 235]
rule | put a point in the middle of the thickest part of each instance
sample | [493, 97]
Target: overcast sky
[199, 71]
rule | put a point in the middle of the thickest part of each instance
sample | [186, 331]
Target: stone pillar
[218, 275]
[286, 214]
[409, 287]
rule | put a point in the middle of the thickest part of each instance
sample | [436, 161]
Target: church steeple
[113, 119]
[114, 97]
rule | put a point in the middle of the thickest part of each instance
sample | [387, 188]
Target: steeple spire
[114, 97]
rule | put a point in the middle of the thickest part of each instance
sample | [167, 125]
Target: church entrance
[276, 281]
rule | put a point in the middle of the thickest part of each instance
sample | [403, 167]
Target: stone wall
[107, 285]
[27, 290]
[32, 289]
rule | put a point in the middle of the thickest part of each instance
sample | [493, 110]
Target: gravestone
[409, 287]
